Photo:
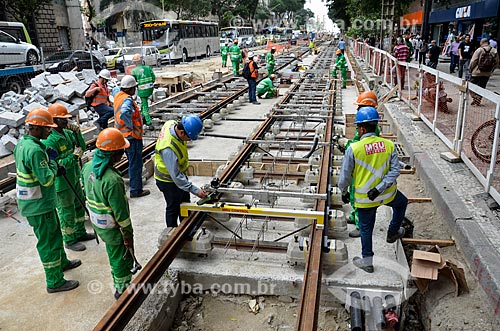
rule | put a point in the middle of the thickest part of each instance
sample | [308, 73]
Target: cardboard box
[426, 264]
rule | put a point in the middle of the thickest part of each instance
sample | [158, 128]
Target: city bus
[181, 40]
[244, 34]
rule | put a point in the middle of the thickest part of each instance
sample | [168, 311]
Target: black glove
[346, 197]
[373, 194]
[52, 154]
[61, 170]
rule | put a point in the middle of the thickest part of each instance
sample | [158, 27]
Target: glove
[73, 127]
[128, 241]
[373, 194]
[61, 170]
[346, 197]
[52, 154]
[78, 152]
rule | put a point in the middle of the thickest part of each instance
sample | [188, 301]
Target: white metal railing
[446, 104]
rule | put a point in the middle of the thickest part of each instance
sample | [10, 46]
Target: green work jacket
[145, 78]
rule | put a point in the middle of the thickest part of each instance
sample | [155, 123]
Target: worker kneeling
[108, 205]
[372, 165]
[266, 89]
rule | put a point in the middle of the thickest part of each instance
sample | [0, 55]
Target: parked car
[68, 60]
[113, 55]
[150, 56]
[14, 51]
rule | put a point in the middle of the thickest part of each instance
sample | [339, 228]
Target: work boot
[67, 286]
[398, 235]
[117, 295]
[354, 233]
[98, 126]
[142, 194]
[77, 247]
[363, 264]
[256, 103]
[87, 237]
[72, 264]
[350, 220]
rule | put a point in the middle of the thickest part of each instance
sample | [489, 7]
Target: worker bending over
[266, 89]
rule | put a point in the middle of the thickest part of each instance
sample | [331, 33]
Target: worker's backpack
[246, 71]
[89, 100]
[486, 61]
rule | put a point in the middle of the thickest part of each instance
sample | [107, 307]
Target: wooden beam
[433, 242]
[417, 200]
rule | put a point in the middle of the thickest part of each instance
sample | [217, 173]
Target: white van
[150, 56]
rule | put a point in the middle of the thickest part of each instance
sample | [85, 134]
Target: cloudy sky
[321, 12]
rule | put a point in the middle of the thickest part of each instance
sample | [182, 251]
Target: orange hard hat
[40, 117]
[58, 110]
[367, 98]
[111, 139]
[338, 51]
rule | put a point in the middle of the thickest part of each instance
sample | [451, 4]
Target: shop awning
[410, 19]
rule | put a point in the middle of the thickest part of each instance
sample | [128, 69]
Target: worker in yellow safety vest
[372, 165]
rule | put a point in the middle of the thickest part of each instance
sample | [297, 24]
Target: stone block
[9, 142]
[89, 76]
[12, 119]
[83, 115]
[65, 92]
[32, 106]
[55, 79]
[79, 87]
[45, 92]
[14, 133]
[450, 157]
[69, 76]
[78, 102]
[4, 151]
[15, 107]
[39, 81]
[9, 95]
[3, 129]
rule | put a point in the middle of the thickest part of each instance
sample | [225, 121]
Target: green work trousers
[145, 110]
[236, 67]
[270, 70]
[121, 262]
[224, 60]
[343, 72]
[50, 247]
[72, 225]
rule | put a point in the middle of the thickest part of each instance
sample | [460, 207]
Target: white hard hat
[250, 55]
[128, 81]
[105, 74]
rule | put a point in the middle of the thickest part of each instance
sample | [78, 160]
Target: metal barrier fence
[464, 116]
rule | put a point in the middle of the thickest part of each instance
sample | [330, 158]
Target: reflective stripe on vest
[102, 96]
[167, 140]
[372, 157]
[145, 86]
[136, 131]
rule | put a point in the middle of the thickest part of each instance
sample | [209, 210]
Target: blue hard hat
[192, 125]
[367, 114]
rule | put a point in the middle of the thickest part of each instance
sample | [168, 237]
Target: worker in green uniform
[235, 54]
[36, 197]
[69, 146]
[340, 64]
[145, 78]
[265, 88]
[108, 205]
[270, 61]
[224, 50]
[367, 98]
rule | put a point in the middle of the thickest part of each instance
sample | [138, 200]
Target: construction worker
[145, 78]
[270, 61]
[266, 89]
[99, 93]
[36, 198]
[372, 164]
[224, 50]
[252, 80]
[108, 206]
[171, 163]
[340, 64]
[69, 146]
[235, 53]
[367, 98]
[128, 120]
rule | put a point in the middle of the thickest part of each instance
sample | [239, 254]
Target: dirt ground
[438, 309]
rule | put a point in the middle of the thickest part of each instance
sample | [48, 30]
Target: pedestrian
[414, 44]
[235, 54]
[69, 145]
[434, 52]
[401, 52]
[493, 43]
[372, 165]
[252, 79]
[340, 64]
[145, 78]
[270, 61]
[108, 205]
[224, 50]
[266, 89]
[171, 162]
[342, 45]
[422, 50]
[36, 198]
[410, 47]
[465, 51]
[368, 98]
[99, 94]
[483, 63]
[453, 53]
[128, 120]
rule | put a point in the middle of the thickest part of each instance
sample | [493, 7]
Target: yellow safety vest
[372, 158]
[167, 140]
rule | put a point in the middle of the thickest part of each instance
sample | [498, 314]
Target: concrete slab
[83, 115]
[12, 119]
[54, 79]
[9, 142]
[65, 92]
[69, 76]
[79, 87]
[32, 106]
[3, 129]
[4, 151]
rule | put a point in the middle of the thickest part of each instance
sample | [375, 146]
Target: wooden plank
[432, 242]
[417, 200]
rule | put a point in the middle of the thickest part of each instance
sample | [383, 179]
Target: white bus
[244, 34]
[181, 40]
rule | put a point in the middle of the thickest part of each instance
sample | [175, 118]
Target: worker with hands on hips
[372, 165]
[36, 198]
[108, 205]
[171, 162]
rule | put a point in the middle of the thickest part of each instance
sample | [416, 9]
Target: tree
[302, 16]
